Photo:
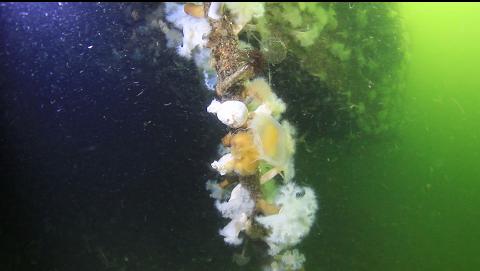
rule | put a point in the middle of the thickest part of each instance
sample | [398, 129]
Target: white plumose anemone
[238, 208]
[195, 30]
[298, 206]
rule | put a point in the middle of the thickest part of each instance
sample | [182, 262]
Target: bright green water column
[410, 200]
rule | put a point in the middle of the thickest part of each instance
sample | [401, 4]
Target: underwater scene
[239, 136]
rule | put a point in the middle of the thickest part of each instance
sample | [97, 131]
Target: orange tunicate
[244, 152]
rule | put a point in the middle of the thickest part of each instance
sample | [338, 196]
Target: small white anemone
[238, 208]
[231, 231]
[230, 113]
[239, 202]
[224, 165]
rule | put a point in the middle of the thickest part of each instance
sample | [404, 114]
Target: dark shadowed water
[104, 149]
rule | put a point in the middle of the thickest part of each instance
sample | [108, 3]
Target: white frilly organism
[195, 30]
[240, 202]
[230, 113]
[233, 229]
[224, 165]
[238, 208]
[191, 42]
[298, 206]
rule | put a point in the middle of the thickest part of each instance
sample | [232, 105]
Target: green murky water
[409, 201]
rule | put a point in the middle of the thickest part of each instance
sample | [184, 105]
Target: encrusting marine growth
[257, 194]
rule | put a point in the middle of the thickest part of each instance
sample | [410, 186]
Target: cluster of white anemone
[297, 204]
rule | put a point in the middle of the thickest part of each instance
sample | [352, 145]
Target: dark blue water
[105, 144]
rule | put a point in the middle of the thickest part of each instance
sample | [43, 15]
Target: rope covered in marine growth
[234, 68]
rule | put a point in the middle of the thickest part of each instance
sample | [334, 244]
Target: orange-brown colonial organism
[244, 152]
